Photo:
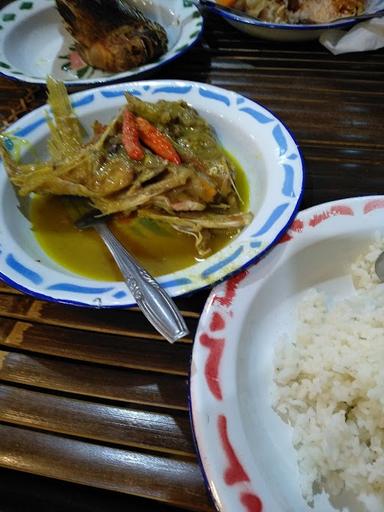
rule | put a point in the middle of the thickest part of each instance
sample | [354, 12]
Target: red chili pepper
[157, 141]
[130, 136]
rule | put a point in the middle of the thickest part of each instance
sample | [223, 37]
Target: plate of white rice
[287, 379]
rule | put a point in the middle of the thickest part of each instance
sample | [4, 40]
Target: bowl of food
[93, 41]
[196, 181]
[293, 20]
[286, 377]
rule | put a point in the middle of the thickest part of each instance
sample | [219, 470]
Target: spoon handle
[153, 301]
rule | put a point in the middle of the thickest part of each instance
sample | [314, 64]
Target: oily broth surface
[157, 246]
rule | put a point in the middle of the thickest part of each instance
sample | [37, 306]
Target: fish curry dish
[156, 164]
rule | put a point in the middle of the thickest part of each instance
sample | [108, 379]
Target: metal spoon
[153, 301]
[379, 267]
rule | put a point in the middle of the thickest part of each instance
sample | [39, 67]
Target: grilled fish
[112, 35]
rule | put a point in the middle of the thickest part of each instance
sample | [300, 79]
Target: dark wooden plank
[128, 322]
[118, 321]
[123, 351]
[18, 305]
[172, 480]
[21, 492]
[96, 381]
[122, 425]
[5, 288]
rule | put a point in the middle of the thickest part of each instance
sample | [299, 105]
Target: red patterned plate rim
[232, 472]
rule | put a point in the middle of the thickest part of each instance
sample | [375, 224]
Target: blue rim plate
[34, 43]
[288, 31]
[262, 145]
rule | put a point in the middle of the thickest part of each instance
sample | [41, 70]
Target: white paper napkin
[365, 36]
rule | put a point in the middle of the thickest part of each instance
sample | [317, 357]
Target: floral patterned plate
[245, 448]
[261, 144]
[34, 43]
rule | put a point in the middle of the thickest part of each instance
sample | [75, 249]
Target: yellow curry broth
[157, 246]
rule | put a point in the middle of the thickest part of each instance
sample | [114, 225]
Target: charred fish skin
[112, 35]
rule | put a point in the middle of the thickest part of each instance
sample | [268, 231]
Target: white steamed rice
[329, 386]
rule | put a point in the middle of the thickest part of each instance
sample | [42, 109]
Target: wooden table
[94, 404]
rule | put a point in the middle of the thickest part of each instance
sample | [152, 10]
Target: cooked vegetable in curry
[154, 162]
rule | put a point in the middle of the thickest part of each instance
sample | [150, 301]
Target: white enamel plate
[244, 446]
[35, 44]
[254, 136]
[295, 32]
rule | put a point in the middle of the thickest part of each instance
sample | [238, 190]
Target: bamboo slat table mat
[94, 404]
